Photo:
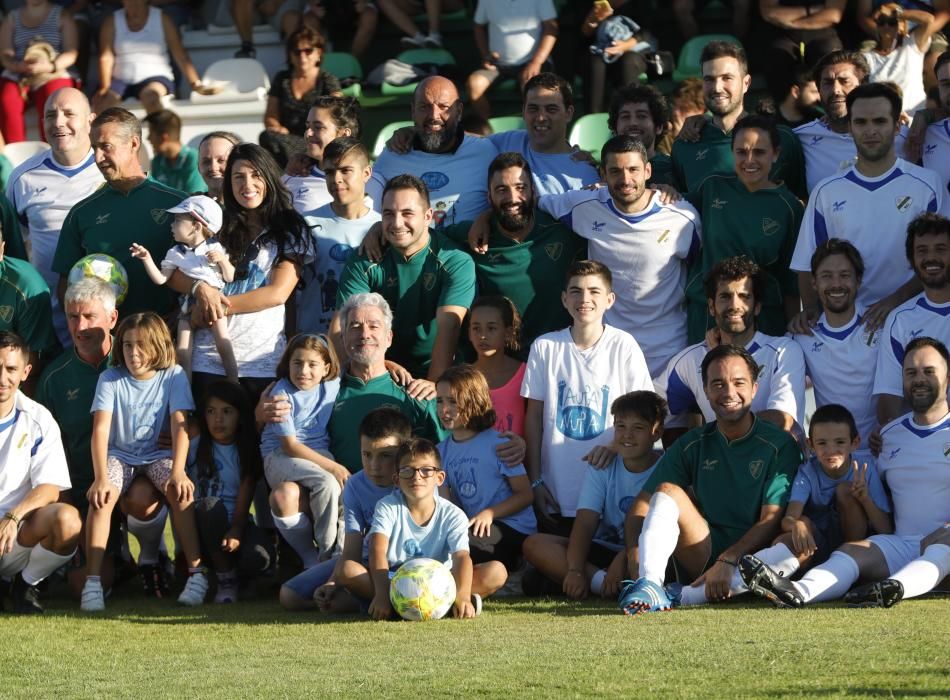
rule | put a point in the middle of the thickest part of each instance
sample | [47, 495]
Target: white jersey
[914, 318]
[873, 214]
[829, 153]
[31, 452]
[647, 255]
[42, 192]
[915, 465]
[577, 388]
[937, 156]
[309, 193]
[457, 181]
[781, 379]
[839, 362]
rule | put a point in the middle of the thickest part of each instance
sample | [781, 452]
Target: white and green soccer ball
[106, 268]
[422, 589]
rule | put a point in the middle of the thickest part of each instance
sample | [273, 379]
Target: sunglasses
[244, 268]
[303, 52]
[407, 473]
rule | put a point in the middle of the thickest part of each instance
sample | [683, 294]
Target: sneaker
[195, 590]
[154, 582]
[642, 596]
[414, 42]
[765, 582]
[880, 594]
[433, 41]
[227, 590]
[25, 598]
[93, 599]
[477, 602]
[674, 591]
[246, 51]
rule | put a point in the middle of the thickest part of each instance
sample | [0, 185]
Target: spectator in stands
[134, 47]
[401, 12]
[515, 39]
[173, 164]
[291, 94]
[685, 13]
[213, 152]
[642, 112]
[618, 64]
[37, 44]
[336, 19]
[795, 101]
[282, 15]
[686, 101]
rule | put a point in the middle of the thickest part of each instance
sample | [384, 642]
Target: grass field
[517, 648]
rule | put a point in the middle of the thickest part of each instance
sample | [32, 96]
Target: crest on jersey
[428, 281]
[755, 468]
[946, 449]
[392, 282]
[554, 250]
[159, 216]
[701, 154]
[6, 313]
[663, 236]
[903, 203]
[769, 226]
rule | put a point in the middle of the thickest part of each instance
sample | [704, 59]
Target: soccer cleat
[880, 594]
[93, 599]
[765, 582]
[642, 596]
[477, 604]
[26, 598]
[195, 590]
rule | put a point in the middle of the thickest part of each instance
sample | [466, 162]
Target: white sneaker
[433, 41]
[477, 602]
[414, 42]
[227, 591]
[196, 588]
[93, 599]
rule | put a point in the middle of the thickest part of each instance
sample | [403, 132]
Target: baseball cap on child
[203, 208]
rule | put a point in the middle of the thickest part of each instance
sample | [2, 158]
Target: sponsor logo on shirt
[930, 148]
[839, 206]
[103, 218]
[709, 464]
[914, 334]
[817, 139]
[598, 226]
[701, 154]
[340, 252]
[72, 394]
[577, 416]
[392, 282]
[435, 180]
[755, 468]
[554, 250]
[816, 346]
[903, 202]
[495, 257]
[719, 203]
[6, 313]
[870, 338]
[769, 226]
[893, 452]
[39, 190]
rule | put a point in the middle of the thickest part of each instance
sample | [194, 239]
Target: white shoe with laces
[196, 588]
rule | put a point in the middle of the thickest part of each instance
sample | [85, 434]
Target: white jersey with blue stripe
[936, 156]
[873, 214]
[781, 379]
[647, 254]
[308, 193]
[915, 318]
[915, 465]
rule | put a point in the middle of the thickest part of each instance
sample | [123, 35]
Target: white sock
[829, 581]
[149, 533]
[924, 573]
[778, 556]
[658, 538]
[597, 581]
[42, 563]
[298, 532]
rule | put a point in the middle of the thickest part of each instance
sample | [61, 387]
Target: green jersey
[108, 221]
[693, 162]
[25, 306]
[415, 288]
[761, 225]
[525, 271]
[357, 398]
[661, 170]
[10, 230]
[181, 173]
[731, 481]
[6, 169]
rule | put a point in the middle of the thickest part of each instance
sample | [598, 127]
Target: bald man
[452, 164]
[44, 188]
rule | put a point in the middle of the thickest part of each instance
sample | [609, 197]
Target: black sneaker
[154, 582]
[246, 51]
[767, 583]
[880, 594]
[26, 598]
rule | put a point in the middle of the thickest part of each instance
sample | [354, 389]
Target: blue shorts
[306, 582]
[126, 91]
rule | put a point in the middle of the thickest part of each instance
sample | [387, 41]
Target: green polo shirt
[10, 230]
[436, 276]
[527, 272]
[731, 481]
[67, 387]
[761, 225]
[661, 170]
[357, 398]
[108, 221]
[181, 173]
[25, 306]
[693, 162]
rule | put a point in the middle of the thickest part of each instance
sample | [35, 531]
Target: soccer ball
[422, 589]
[106, 268]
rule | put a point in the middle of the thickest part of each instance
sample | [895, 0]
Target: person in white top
[37, 534]
[936, 152]
[870, 205]
[913, 464]
[45, 187]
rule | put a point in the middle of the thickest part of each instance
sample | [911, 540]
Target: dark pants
[211, 518]
[503, 543]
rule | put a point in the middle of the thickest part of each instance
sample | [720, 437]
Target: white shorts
[14, 562]
[898, 550]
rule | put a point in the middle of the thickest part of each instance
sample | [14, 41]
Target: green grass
[517, 648]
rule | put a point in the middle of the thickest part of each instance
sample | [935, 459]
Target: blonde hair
[320, 344]
[156, 340]
[472, 396]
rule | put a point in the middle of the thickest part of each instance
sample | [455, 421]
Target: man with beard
[913, 464]
[642, 112]
[734, 287]
[928, 252]
[839, 349]
[937, 144]
[451, 163]
[131, 208]
[45, 187]
[726, 81]
[870, 204]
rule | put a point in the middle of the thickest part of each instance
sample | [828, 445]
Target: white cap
[203, 208]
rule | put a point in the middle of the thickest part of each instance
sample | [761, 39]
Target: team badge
[701, 154]
[428, 281]
[903, 203]
[554, 250]
[946, 449]
[769, 226]
[159, 216]
[6, 313]
[663, 236]
[392, 282]
[755, 468]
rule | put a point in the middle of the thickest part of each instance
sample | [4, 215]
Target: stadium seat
[384, 135]
[244, 79]
[499, 124]
[688, 64]
[18, 152]
[590, 133]
[343, 66]
[439, 57]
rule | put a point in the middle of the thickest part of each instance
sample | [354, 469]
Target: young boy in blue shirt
[592, 559]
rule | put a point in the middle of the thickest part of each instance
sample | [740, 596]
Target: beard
[921, 403]
[436, 141]
[514, 219]
[941, 281]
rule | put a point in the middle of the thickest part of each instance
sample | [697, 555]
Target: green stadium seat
[344, 65]
[590, 133]
[439, 57]
[384, 135]
[688, 64]
[499, 124]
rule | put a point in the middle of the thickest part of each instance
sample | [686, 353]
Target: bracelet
[537, 482]
[10, 515]
[726, 561]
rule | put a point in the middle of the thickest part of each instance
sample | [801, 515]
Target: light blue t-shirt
[335, 238]
[225, 479]
[360, 496]
[816, 489]
[479, 479]
[552, 173]
[445, 533]
[610, 492]
[141, 410]
[309, 414]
